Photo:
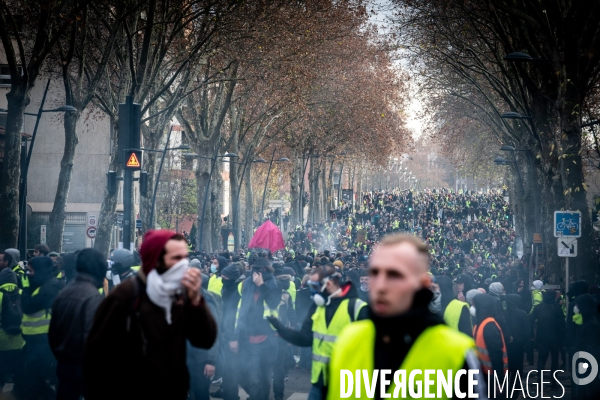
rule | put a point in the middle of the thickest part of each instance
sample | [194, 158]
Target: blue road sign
[567, 224]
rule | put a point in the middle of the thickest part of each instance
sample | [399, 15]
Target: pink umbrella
[267, 236]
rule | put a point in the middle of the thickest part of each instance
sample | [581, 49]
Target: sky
[381, 17]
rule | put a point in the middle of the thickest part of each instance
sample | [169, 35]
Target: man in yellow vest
[11, 340]
[401, 334]
[536, 294]
[335, 306]
[38, 361]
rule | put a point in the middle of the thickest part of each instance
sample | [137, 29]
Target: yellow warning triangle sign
[133, 161]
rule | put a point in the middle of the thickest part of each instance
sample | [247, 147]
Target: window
[5, 75]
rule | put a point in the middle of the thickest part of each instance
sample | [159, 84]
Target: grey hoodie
[14, 253]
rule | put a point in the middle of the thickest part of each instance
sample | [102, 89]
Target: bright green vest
[267, 311]
[292, 291]
[439, 348]
[215, 284]
[536, 296]
[453, 312]
[9, 342]
[324, 336]
[38, 322]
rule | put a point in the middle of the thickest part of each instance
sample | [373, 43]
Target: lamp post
[213, 160]
[162, 160]
[25, 168]
[262, 209]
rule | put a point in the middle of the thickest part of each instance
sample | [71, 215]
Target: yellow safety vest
[292, 291]
[215, 284]
[453, 313]
[438, 348]
[537, 298]
[9, 342]
[267, 311]
[324, 336]
[38, 322]
[136, 268]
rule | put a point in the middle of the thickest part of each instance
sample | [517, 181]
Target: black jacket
[549, 321]
[588, 340]
[517, 319]
[197, 357]
[72, 316]
[43, 299]
[230, 298]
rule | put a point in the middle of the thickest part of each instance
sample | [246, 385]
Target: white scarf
[161, 289]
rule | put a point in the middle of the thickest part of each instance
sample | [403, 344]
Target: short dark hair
[7, 257]
[42, 248]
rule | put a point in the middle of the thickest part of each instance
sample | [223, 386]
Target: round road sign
[91, 232]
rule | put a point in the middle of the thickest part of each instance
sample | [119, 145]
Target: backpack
[11, 314]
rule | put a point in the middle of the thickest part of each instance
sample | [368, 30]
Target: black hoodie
[516, 319]
[576, 289]
[550, 321]
[49, 286]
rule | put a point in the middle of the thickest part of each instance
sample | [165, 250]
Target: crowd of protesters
[245, 318]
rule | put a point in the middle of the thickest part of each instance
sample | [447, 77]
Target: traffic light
[112, 182]
[143, 183]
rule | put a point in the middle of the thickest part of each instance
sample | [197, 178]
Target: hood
[91, 262]
[446, 289]
[467, 280]
[587, 306]
[42, 267]
[222, 263]
[14, 253]
[578, 288]
[484, 304]
[512, 301]
[496, 289]
[348, 291]
[549, 296]
[8, 276]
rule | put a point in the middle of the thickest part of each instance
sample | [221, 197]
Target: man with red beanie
[136, 348]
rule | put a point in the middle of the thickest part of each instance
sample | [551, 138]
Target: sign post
[567, 227]
[131, 158]
[43, 234]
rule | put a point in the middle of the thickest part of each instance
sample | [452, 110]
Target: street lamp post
[25, 168]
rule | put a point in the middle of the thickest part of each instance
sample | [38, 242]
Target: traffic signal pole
[129, 150]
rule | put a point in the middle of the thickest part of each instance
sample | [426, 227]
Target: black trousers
[545, 349]
[70, 381]
[257, 360]
[37, 368]
[229, 386]
[280, 368]
[9, 359]
[199, 383]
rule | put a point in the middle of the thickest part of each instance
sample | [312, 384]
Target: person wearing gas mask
[122, 261]
[146, 322]
[255, 339]
[36, 302]
[335, 306]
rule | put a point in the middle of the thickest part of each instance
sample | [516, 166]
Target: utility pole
[131, 158]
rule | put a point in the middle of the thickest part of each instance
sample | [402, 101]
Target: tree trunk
[107, 218]
[249, 211]
[216, 208]
[202, 175]
[58, 214]
[18, 99]
[295, 173]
